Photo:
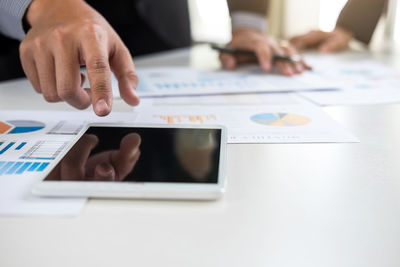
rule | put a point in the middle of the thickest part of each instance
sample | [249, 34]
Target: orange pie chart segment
[4, 127]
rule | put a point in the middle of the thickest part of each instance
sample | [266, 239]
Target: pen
[235, 51]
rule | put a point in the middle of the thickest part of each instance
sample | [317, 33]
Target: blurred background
[210, 20]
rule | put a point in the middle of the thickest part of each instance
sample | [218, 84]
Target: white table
[286, 205]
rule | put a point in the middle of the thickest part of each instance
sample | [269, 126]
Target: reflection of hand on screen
[115, 164]
[105, 166]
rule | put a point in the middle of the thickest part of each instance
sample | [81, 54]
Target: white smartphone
[140, 161]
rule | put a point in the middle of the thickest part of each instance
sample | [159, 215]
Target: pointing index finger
[95, 54]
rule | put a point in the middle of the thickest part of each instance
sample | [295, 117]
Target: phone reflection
[110, 165]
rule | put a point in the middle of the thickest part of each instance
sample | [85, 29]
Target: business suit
[252, 6]
[361, 17]
[145, 26]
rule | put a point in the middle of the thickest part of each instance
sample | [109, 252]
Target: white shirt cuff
[242, 19]
[11, 14]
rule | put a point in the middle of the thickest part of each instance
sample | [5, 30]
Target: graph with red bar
[178, 119]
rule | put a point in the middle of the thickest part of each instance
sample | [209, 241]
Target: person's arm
[67, 34]
[357, 19]
[249, 14]
[11, 17]
[360, 17]
[249, 32]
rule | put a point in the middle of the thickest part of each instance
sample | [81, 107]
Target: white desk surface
[286, 205]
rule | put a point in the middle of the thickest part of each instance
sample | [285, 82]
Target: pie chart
[280, 119]
[20, 126]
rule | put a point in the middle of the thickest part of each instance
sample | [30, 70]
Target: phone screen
[130, 154]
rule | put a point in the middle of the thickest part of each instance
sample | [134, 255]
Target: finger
[29, 67]
[69, 77]
[104, 172]
[309, 40]
[228, 61]
[74, 163]
[264, 56]
[95, 55]
[122, 65]
[47, 76]
[125, 158]
[285, 68]
[332, 45]
[296, 66]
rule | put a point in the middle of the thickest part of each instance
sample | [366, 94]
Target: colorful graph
[198, 119]
[20, 167]
[280, 119]
[21, 126]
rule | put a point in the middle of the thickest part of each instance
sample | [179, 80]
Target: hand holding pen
[249, 45]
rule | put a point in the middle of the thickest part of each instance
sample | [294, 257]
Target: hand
[67, 34]
[264, 47]
[112, 165]
[325, 42]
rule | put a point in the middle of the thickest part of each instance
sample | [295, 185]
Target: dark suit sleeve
[361, 17]
[252, 6]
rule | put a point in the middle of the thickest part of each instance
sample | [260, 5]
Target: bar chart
[45, 150]
[6, 147]
[13, 145]
[66, 128]
[21, 167]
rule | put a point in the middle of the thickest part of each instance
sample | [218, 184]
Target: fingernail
[102, 107]
[105, 169]
[229, 63]
[266, 66]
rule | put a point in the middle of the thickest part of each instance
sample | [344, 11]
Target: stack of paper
[360, 82]
[256, 118]
[186, 81]
[29, 142]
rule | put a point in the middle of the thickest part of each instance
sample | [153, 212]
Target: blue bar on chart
[6, 166]
[42, 166]
[14, 168]
[20, 167]
[33, 167]
[23, 167]
[21, 146]
[7, 147]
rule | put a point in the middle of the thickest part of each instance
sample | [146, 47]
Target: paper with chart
[267, 118]
[187, 81]
[360, 82]
[29, 142]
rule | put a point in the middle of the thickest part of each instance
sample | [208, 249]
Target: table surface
[285, 205]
